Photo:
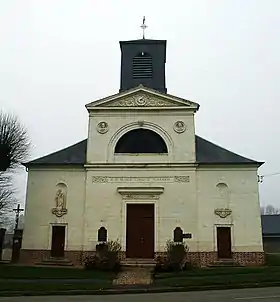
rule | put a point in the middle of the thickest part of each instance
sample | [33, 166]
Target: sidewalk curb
[136, 290]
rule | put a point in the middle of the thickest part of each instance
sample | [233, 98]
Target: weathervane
[144, 26]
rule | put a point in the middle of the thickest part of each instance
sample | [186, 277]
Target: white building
[141, 173]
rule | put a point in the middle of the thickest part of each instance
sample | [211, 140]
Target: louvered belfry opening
[142, 66]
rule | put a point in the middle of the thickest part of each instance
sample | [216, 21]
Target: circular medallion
[141, 100]
[102, 127]
[179, 127]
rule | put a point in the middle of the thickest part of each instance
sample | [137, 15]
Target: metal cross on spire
[144, 26]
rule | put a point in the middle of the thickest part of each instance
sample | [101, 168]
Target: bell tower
[143, 62]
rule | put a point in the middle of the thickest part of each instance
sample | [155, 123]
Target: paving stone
[134, 276]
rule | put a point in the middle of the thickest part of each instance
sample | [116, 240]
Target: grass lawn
[33, 272]
[219, 276]
[21, 278]
[46, 287]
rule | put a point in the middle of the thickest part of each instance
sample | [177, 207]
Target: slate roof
[206, 153]
[270, 225]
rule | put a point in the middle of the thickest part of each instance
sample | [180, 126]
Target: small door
[58, 241]
[224, 242]
[140, 231]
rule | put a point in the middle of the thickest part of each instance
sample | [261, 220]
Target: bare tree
[7, 197]
[14, 142]
[14, 149]
[270, 210]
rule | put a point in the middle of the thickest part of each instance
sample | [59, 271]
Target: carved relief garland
[140, 197]
[223, 212]
[142, 100]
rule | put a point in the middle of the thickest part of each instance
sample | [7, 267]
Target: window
[141, 141]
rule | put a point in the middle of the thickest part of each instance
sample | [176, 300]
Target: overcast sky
[58, 55]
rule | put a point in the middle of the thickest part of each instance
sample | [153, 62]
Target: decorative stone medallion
[141, 100]
[102, 127]
[179, 127]
[223, 213]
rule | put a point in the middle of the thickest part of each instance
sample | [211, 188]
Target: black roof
[270, 225]
[206, 153]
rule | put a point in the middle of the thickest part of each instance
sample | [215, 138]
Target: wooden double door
[140, 231]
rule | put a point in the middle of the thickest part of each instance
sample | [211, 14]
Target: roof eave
[49, 165]
[258, 164]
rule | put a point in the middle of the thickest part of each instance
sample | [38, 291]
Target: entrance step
[134, 276]
[149, 263]
[224, 263]
[56, 262]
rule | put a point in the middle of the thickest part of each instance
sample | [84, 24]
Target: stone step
[56, 262]
[138, 263]
[224, 263]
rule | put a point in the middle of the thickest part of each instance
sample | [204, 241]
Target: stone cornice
[149, 166]
[140, 193]
[142, 98]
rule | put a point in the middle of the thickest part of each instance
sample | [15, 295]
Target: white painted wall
[180, 146]
[189, 205]
[243, 201]
[40, 199]
[106, 207]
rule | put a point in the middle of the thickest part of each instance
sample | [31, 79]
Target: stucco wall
[181, 147]
[189, 205]
[105, 206]
[243, 200]
[40, 199]
[93, 200]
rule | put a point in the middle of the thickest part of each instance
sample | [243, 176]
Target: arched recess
[223, 194]
[139, 125]
[141, 141]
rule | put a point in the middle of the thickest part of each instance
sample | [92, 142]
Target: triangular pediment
[142, 97]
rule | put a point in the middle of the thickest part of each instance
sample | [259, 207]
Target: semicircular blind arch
[141, 141]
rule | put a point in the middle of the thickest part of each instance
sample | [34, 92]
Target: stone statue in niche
[60, 202]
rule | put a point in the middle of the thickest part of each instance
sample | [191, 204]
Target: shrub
[175, 260]
[272, 259]
[106, 257]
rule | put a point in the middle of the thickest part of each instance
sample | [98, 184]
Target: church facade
[141, 174]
